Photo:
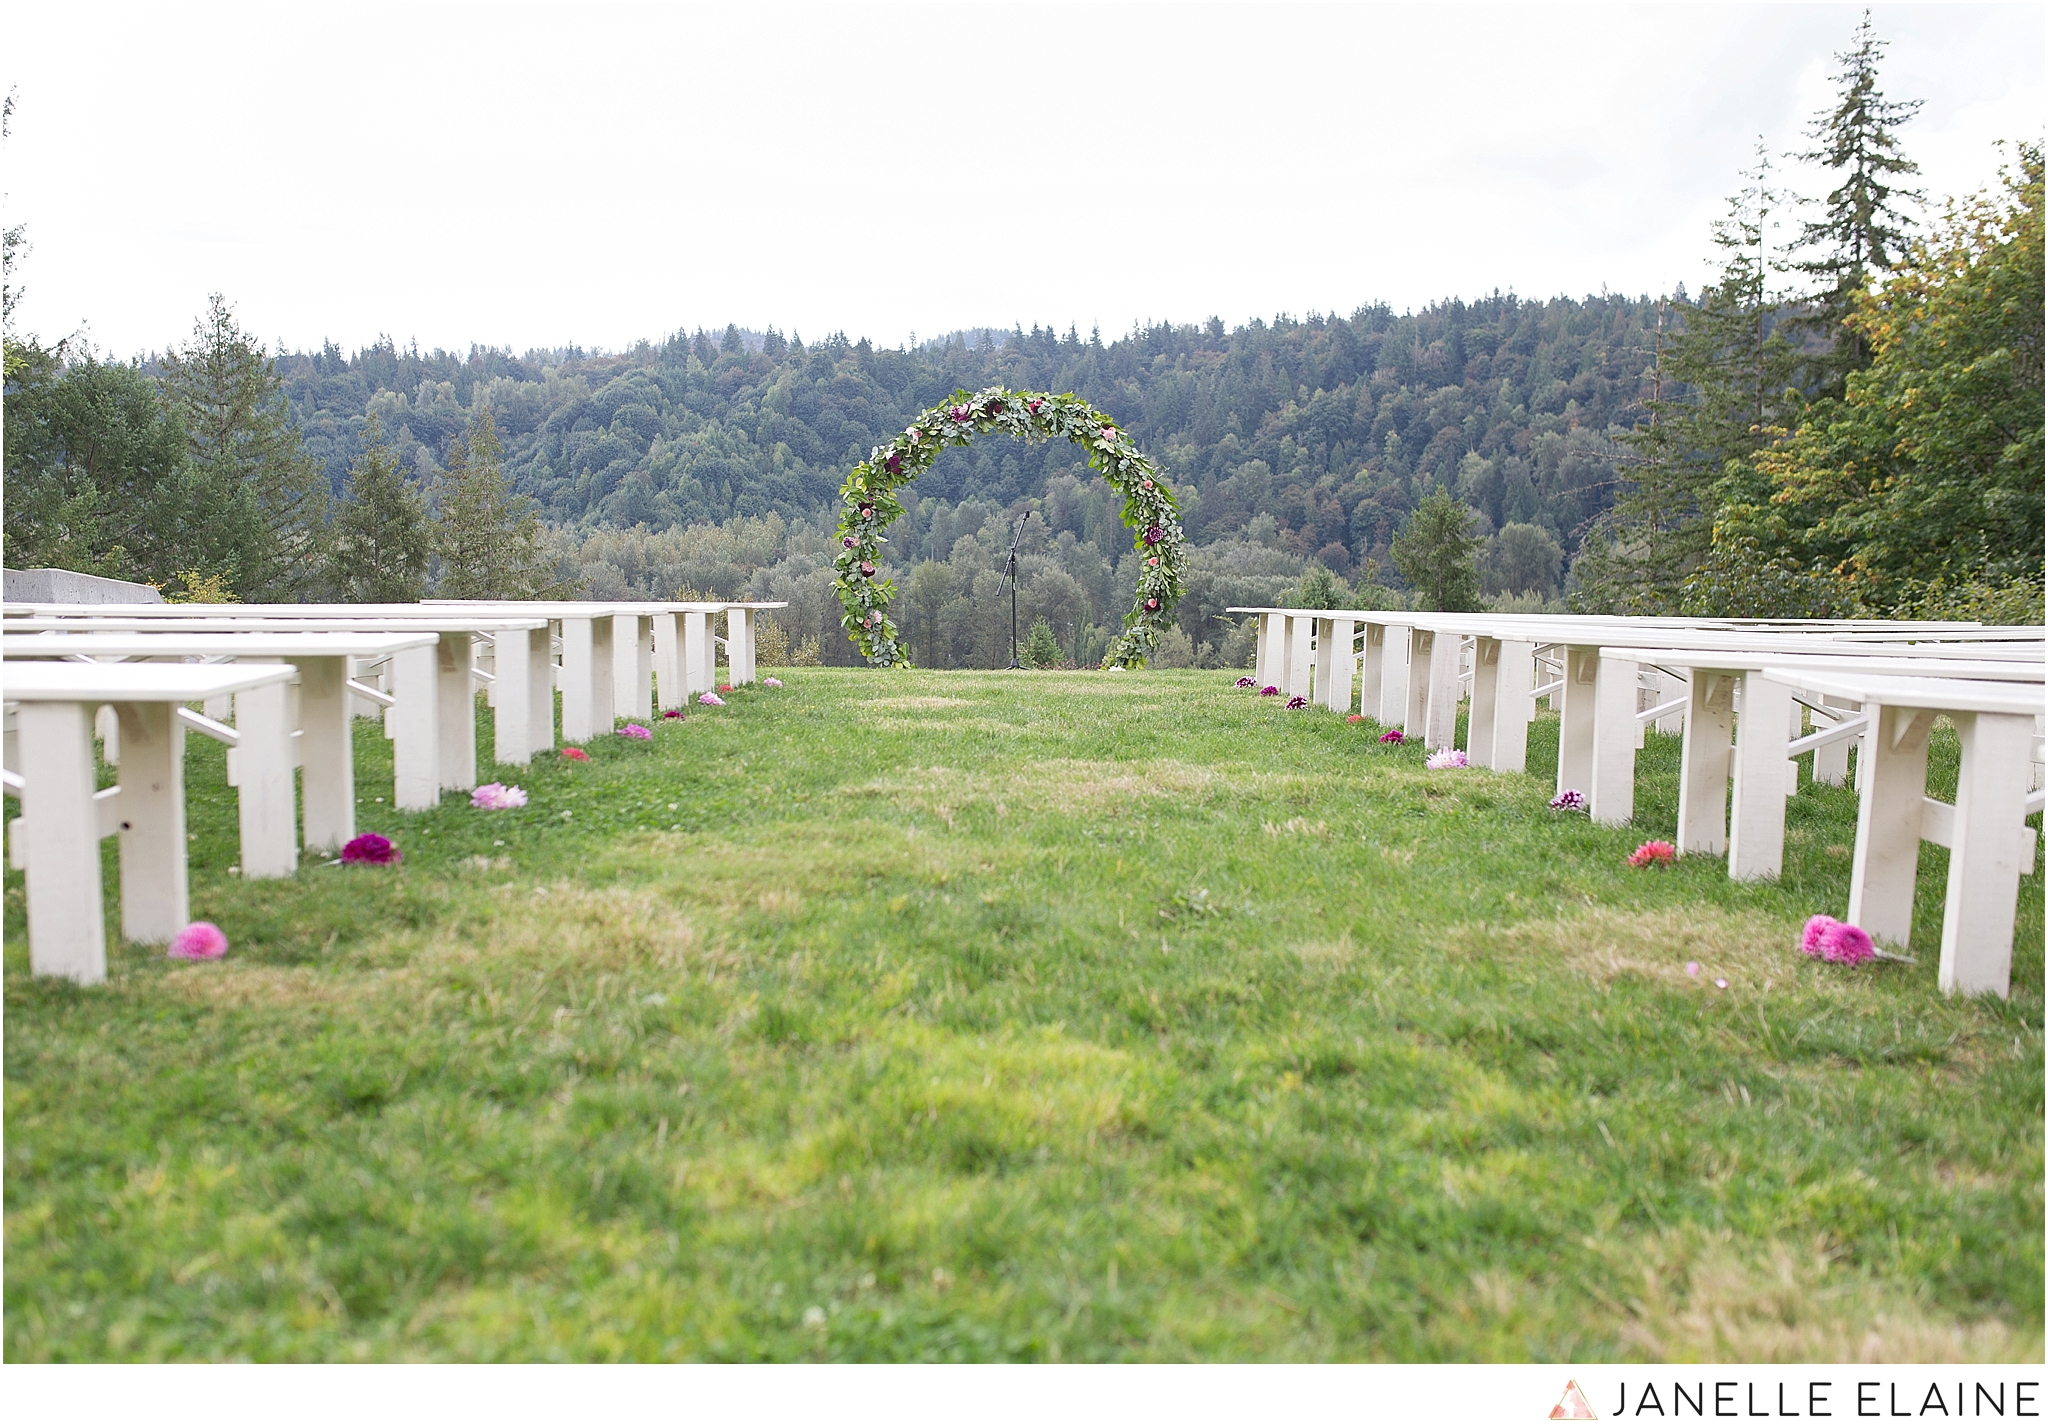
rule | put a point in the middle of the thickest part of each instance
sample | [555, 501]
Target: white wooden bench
[315, 714]
[1749, 824]
[56, 840]
[429, 712]
[1989, 843]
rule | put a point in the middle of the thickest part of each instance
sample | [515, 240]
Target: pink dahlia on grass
[1833, 941]
[707, 697]
[1656, 851]
[199, 942]
[497, 795]
[1446, 759]
[636, 731]
[1393, 736]
[577, 754]
[371, 848]
[1570, 801]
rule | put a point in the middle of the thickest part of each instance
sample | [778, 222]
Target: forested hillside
[1330, 425]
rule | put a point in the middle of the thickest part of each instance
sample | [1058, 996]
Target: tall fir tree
[1862, 231]
[489, 540]
[1437, 553]
[383, 540]
[267, 497]
[1724, 378]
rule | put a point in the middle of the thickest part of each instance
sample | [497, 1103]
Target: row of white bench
[290, 678]
[1876, 684]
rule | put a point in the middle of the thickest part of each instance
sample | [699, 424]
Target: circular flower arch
[871, 505]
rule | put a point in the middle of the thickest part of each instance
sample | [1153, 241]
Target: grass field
[1046, 1016]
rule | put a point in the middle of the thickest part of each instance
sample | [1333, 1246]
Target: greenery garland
[871, 505]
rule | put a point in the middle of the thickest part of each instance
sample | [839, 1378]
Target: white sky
[527, 176]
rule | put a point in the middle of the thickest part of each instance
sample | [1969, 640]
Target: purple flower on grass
[672, 714]
[371, 848]
[497, 795]
[772, 682]
[707, 697]
[1570, 801]
[1269, 689]
[1299, 701]
[636, 731]
[198, 942]
[1393, 736]
[1247, 682]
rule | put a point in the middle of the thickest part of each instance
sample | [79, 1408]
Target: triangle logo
[1573, 1405]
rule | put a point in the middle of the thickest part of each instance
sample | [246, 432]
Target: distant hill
[1331, 426]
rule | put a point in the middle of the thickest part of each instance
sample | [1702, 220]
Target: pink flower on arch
[198, 942]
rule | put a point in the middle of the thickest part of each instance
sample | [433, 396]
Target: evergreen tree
[1862, 231]
[382, 538]
[1041, 646]
[1436, 552]
[1723, 379]
[266, 499]
[489, 539]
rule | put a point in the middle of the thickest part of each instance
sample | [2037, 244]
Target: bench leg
[265, 787]
[327, 777]
[415, 727]
[1611, 798]
[668, 663]
[1576, 722]
[1415, 708]
[511, 739]
[1892, 790]
[1756, 824]
[1704, 762]
[455, 713]
[579, 717]
[1512, 706]
[155, 895]
[67, 933]
[1984, 863]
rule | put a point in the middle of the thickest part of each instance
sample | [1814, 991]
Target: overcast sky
[530, 176]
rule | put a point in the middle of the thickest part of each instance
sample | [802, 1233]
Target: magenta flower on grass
[636, 731]
[1393, 736]
[1299, 701]
[671, 713]
[1269, 689]
[1247, 682]
[1692, 969]
[1446, 759]
[707, 697]
[198, 942]
[1832, 941]
[497, 795]
[1570, 801]
[373, 848]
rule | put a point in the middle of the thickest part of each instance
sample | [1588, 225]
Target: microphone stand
[1010, 579]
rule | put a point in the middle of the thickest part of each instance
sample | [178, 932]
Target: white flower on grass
[814, 1318]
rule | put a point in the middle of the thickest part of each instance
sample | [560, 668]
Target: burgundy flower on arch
[1034, 404]
[962, 414]
[848, 541]
[995, 405]
[893, 463]
[1152, 602]
[1154, 534]
[867, 568]
[867, 513]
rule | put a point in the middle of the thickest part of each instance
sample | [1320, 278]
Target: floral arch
[871, 505]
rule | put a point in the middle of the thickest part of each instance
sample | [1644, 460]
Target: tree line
[1847, 419]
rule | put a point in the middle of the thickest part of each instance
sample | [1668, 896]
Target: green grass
[985, 1016]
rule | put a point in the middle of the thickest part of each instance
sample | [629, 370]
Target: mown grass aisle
[955, 1015]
